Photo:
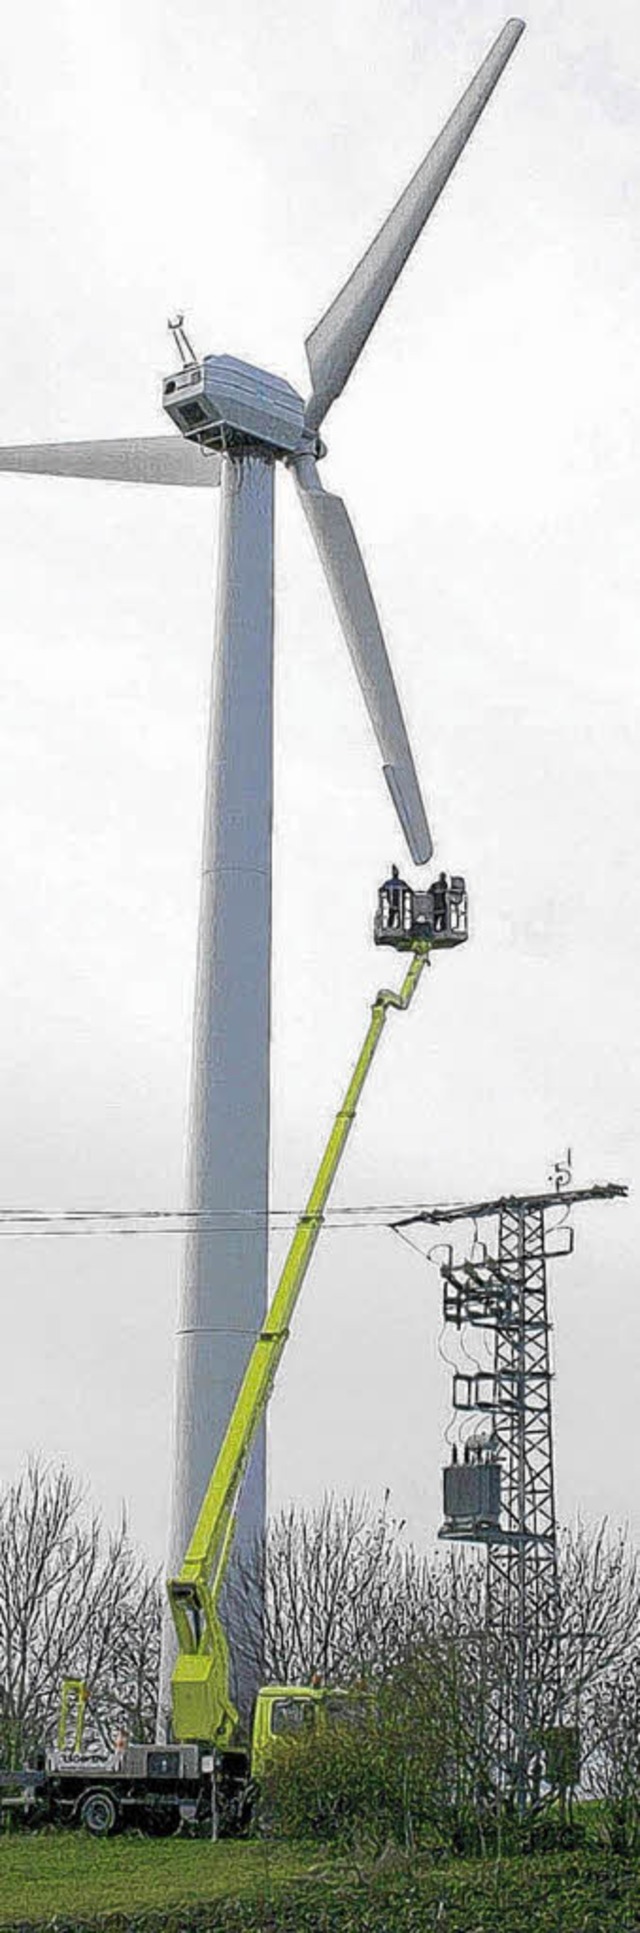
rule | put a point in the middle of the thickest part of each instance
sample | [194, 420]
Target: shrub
[393, 1769]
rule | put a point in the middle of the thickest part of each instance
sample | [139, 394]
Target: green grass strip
[75, 1885]
[47, 1875]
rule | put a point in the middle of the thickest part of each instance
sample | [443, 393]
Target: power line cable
[182, 1221]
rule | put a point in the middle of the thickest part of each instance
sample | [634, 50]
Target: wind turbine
[236, 422]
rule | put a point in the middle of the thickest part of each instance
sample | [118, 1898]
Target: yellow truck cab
[291, 1712]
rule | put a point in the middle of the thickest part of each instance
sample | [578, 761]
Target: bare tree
[600, 1595]
[75, 1601]
[339, 1593]
[598, 1648]
[615, 1757]
[345, 1597]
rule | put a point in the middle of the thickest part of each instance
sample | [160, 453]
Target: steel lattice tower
[505, 1496]
[523, 1599]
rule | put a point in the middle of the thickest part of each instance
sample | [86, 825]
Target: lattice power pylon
[499, 1489]
[523, 1597]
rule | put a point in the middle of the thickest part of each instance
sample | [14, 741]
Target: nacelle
[223, 403]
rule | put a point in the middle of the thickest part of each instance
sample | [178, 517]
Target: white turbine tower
[236, 423]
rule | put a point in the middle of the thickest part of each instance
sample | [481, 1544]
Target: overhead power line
[181, 1221]
[400, 1216]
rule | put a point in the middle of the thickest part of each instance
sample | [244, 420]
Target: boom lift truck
[207, 1776]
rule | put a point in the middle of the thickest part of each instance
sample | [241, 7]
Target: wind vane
[186, 353]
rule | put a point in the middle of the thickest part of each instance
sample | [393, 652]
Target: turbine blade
[346, 576]
[129, 459]
[337, 340]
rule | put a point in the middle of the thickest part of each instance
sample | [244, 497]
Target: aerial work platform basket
[439, 915]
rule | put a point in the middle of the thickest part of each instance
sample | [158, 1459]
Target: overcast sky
[234, 159]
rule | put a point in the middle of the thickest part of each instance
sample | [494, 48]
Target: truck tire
[98, 1812]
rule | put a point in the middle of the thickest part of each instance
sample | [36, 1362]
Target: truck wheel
[99, 1813]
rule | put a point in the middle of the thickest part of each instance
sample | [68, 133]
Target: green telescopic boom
[202, 1707]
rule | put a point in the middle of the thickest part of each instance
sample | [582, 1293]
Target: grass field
[45, 1874]
[128, 1885]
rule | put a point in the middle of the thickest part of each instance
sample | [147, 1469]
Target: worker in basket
[439, 892]
[395, 889]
